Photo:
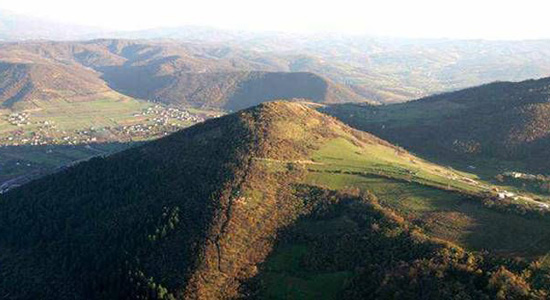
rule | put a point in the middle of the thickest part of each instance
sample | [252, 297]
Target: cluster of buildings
[19, 119]
[143, 131]
[161, 121]
[152, 122]
[502, 195]
[506, 194]
[165, 114]
[519, 175]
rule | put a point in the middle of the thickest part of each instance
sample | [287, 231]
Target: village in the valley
[152, 122]
[54, 147]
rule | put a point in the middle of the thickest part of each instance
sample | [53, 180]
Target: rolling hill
[381, 69]
[503, 121]
[24, 85]
[238, 90]
[277, 201]
[167, 72]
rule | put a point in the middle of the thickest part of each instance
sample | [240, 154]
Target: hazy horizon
[490, 20]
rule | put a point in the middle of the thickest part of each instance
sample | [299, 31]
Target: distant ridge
[381, 69]
[238, 90]
[22, 83]
[171, 73]
[504, 120]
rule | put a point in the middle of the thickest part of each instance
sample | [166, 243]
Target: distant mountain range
[379, 69]
[274, 202]
[166, 72]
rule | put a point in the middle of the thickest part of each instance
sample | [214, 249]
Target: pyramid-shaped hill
[276, 201]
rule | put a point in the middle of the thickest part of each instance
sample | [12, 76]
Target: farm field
[451, 211]
[99, 113]
[108, 111]
[37, 141]
[19, 164]
[340, 155]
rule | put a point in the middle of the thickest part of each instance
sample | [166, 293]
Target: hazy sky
[488, 19]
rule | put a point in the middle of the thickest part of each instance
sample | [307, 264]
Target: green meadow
[435, 198]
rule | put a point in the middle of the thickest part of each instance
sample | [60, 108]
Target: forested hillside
[501, 121]
[277, 201]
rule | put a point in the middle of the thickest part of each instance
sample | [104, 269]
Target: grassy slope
[326, 255]
[504, 123]
[102, 112]
[111, 110]
[434, 198]
[430, 195]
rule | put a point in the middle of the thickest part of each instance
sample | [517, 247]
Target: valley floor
[57, 134]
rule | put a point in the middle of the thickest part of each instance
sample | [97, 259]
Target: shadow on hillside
[23, 163]
[485, 168]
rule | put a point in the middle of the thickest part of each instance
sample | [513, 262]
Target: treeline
[387, 258]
